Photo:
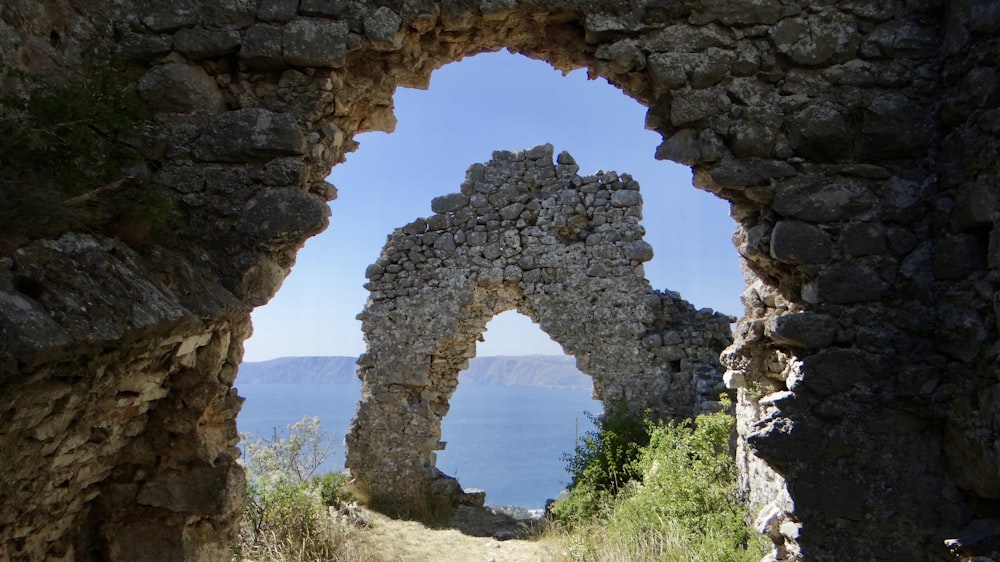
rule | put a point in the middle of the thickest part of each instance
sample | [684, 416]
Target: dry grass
[368, 536]
[339, 537]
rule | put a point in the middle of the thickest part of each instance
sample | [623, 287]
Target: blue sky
[494, 101]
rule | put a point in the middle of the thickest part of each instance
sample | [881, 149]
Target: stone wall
[855, 140]
[527, 234]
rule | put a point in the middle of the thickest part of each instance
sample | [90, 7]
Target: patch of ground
[470, 536]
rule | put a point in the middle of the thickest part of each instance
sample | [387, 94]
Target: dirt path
[469, 537]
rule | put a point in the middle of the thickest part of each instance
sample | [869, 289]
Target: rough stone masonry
[855, 140]
[528, 234]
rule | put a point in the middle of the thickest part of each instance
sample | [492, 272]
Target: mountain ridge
[544, 371]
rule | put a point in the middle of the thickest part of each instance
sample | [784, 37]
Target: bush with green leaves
[605, 459]
[682, 503]
[604, 462]
[287, 514]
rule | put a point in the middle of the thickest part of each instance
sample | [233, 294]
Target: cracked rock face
[530, 235]
[856, 142]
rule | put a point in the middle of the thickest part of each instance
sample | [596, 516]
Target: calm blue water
[507, 440]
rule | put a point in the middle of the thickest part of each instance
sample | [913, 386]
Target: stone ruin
[530, 235]
[855, 141]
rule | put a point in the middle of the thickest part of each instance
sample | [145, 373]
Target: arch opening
[517, 410]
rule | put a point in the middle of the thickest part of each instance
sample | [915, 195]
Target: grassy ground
[467, 537]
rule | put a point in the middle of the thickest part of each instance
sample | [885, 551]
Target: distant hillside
[547, 371]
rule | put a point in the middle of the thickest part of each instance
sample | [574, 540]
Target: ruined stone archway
[527, 234]
[855, 141]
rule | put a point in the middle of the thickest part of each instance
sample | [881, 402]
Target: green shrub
[287, 514]
[605, 459]
[332, 488]
[681, 504]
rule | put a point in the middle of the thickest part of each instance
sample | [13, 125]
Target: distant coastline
[543, 371]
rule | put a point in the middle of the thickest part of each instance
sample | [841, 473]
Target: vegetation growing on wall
[72, 157]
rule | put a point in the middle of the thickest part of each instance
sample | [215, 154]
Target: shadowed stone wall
[530, 235]
[855, 140]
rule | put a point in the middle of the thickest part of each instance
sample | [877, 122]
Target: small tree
[292, 458]
[287, 506]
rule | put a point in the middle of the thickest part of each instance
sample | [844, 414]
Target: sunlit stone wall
[525, 233]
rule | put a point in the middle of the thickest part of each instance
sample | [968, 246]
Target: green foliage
[62, 146]
[333, 488]
[682, 503]
[287, 515]
[605, 459]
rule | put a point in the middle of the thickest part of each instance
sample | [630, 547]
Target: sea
[507, 440]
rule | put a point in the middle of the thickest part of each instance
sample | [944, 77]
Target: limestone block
[280, 215]
[754, 171]
[262, 47]
[622, 56]
[863, 239]
[901, 39]
[249, 135]
[690, 146]
[690, 105]
[111, 292]
[278, 10]
[800, 242]
[449, 203]
[846, 283]
[894, 125]
[756, 136]
[820, 132]
[204, 43]
[181, 88]
[382, 29]
[315, 42]
[816, 39]
[29, 331]
[852, 73]
[163, 17]
[683, 38]
[807, 330]
[710, 67]
[738, 13]
[142, 47]
[328, 8]
[626, 198]
[820, 199]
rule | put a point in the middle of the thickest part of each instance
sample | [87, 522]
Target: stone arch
[528, 234]
[854, 140]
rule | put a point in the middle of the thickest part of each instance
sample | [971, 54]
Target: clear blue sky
[490, 102]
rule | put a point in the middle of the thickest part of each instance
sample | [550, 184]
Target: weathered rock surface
[856, 142]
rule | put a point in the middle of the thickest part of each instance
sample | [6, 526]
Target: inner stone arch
[525, 233]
